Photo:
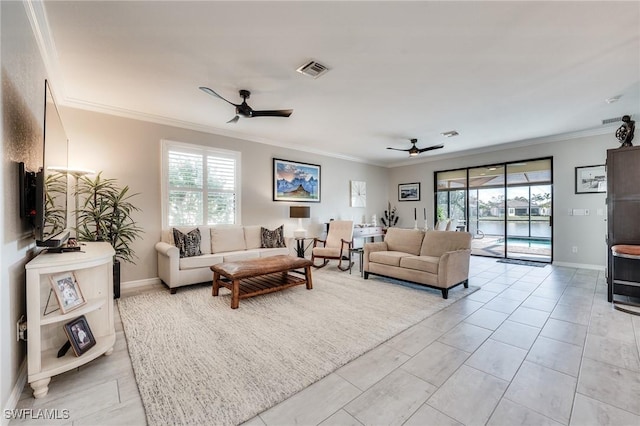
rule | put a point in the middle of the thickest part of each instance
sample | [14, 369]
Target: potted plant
[104, 214]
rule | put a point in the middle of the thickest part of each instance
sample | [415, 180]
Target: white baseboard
[17, 391]
[148, 282]
[580, 265]
[130, 288]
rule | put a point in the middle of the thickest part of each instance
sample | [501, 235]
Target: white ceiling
[497, 72]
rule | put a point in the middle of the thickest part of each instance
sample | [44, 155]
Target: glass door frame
[504, 187]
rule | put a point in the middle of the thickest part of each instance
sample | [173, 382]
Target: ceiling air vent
[313, 69]
[611, 120]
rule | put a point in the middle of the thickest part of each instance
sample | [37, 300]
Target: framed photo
[67, 291]
[79, 335]
[294, 181]
[591, 179]
[409, 191]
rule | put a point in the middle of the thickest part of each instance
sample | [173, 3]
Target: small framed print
[409, 191]
[79, 335]
[591, 179]
[67, 291]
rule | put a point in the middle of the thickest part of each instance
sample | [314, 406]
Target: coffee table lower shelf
[254, 286]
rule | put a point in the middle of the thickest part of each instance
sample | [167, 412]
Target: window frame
[203, 150]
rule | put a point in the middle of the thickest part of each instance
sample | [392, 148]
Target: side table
[360, 252]
[300, 245]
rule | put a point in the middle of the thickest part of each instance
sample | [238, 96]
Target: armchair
[336, 246]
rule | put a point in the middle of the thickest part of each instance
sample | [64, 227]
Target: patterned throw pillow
[189, 243]
[272, 239]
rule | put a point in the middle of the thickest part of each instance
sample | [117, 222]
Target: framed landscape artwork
[591, 179]
[295, 181]
[409, 191]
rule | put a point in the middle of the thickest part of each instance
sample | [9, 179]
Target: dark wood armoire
[623, 216]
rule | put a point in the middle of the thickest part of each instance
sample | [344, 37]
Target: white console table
[93, 268]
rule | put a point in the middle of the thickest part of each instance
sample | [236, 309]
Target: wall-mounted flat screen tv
[52, 181]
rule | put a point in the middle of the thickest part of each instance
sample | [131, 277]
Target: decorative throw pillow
[189, 243]
[272, 239]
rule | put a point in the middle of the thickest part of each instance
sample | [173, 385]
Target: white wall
[130, 151]
[22, 106]
[585, 232]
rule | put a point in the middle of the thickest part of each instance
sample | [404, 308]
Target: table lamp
[300, 212]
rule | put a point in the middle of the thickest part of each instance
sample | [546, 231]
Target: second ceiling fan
[245, 110]
[414, 150]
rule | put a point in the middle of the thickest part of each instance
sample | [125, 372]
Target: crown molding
[167, 121]
[37, 15]
[596, 131]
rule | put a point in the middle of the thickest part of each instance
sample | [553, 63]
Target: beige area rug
[197, 361]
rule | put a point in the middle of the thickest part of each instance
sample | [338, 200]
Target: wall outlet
[574, 249]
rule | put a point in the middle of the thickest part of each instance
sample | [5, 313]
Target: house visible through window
[200, 185]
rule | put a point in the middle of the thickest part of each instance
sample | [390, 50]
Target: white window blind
[201, 185]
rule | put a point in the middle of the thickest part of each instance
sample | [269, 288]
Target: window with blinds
[201, 185]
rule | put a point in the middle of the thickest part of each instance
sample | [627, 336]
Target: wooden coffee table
[248, 278]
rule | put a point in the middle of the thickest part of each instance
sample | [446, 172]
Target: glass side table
[301, 247]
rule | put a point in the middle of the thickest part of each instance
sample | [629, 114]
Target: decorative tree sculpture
[390, 217]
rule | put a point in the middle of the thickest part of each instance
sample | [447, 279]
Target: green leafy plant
[104, 214]
[55, 193]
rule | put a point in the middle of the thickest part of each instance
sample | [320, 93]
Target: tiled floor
[533, 346]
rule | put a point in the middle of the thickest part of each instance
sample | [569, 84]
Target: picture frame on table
[296, 181]
[409, 191]
[67, 291]
[591, 179]
[79, 335]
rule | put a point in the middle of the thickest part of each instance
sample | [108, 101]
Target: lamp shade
[300, 212]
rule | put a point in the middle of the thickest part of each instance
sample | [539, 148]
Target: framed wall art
[295, 181]
[409, 191]
[358, 193]
[67, 291]
[591, 179]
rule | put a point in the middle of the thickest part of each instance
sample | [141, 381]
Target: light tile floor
[533, 346]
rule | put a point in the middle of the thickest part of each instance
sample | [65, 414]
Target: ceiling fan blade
[398, 149]
[214, 94]
[429, 148]
[234, 119]
[272, 113]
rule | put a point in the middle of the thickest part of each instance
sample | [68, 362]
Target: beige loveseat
[438, 259]
[218, 244]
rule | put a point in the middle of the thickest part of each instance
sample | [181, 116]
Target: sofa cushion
[234, 256]
[391, 258]
[266, 252]
[189, 243]
[421, 263]
[203, 261]
[272, 239]
[227, 238]
[404, 240]
[437, 243]
[253, 237]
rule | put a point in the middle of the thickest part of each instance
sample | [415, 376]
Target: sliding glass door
[506, 207]
[529, 225]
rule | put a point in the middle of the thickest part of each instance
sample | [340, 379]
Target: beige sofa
[218, 244]
[438, 259]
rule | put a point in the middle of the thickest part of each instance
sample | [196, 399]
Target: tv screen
[52, 181]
